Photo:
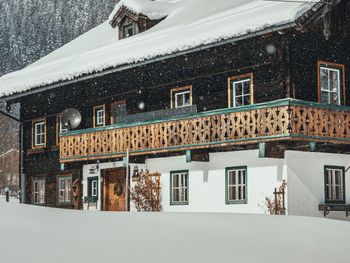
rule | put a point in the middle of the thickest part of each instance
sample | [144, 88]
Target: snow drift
[45, 235]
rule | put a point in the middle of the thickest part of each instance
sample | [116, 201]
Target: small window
[99, 116]
[236, 185]
[39, 133]
[334, 184]
[64, 189]
[181, 97]
[39, 191]
[93, 188]
[241, 90]
[59, 128]
[179, 188]
[331, 83]
[128, 30]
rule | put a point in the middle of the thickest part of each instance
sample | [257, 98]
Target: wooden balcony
[285, 119]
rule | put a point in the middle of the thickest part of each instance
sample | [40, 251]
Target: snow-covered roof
[189, 24]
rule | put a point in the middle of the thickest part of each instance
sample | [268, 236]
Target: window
[59, 128]
[236, 185]
[64, 189]
[334, 184]
[128, 30]
[331, 83]
[99, 116]
[179, 188]
[39, 191]
[39, 133]
[93, 188]
[240, 90]
[181, 97]
[118, 109]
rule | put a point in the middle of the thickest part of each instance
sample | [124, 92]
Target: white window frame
[40, 135]
[94, 188]
[331, 186]
[183, 187]
[234, 96]
[100, 117]
[183, 95]
[240, 185]
[65, 194]
[328, 88]
[39, 194]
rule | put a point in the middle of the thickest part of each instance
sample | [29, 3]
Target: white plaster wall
[306, 181]
[207, 181]
[108, 165]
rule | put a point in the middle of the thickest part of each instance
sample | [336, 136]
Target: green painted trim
[63, 176]
[312, 146]
[327, 201]
[275, 103]
[230, 202]
[89, 189]
[188, 156]
[171, 187]
[262, 149]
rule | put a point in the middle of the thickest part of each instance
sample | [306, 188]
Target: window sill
[240, 202]
[178, 203]
[36, 150]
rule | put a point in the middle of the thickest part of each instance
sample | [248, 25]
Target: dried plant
[146, 193]
[275, 206]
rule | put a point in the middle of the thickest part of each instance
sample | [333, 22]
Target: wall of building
[306, 182]
[207, 181]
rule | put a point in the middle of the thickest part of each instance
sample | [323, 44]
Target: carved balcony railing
[285, 119]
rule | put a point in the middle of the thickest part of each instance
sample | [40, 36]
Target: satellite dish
[70, 119]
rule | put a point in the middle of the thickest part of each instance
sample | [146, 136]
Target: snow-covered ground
[37, 234]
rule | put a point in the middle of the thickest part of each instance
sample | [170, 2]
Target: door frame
[102, 187]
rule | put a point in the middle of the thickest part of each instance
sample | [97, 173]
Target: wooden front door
[114, 190]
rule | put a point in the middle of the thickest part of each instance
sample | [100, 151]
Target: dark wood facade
[283, 65]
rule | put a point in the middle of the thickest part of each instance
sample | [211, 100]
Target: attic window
[128, 30]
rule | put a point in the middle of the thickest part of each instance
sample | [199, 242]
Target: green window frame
[236, 185]
[92, 191]
[334, 184]
[179, 187]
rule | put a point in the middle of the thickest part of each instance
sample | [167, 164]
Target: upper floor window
[331, 81]
[128, 30]
[334, 184]
[38, 189]
[99, 116]
[181, 97]
[59, 128]
[179, 187]
[118, 109]
[39, 133]
[64, 189]
[240, 90]
[236, 185]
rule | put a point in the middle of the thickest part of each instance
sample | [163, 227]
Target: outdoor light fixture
[136, 174]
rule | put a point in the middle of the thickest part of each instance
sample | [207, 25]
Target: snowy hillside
[43, 235]
[30, 29]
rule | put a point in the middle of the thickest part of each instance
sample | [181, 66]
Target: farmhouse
[226, 100]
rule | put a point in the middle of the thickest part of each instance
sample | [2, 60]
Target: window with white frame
[99, 116]
[38, 191]
[181, 97]
[93, 188]
[39, 133]
[241, 91]
[330, 84]
[179, 187]
[59, 128]
[334, 184]
[236, 185]
[64, 189]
